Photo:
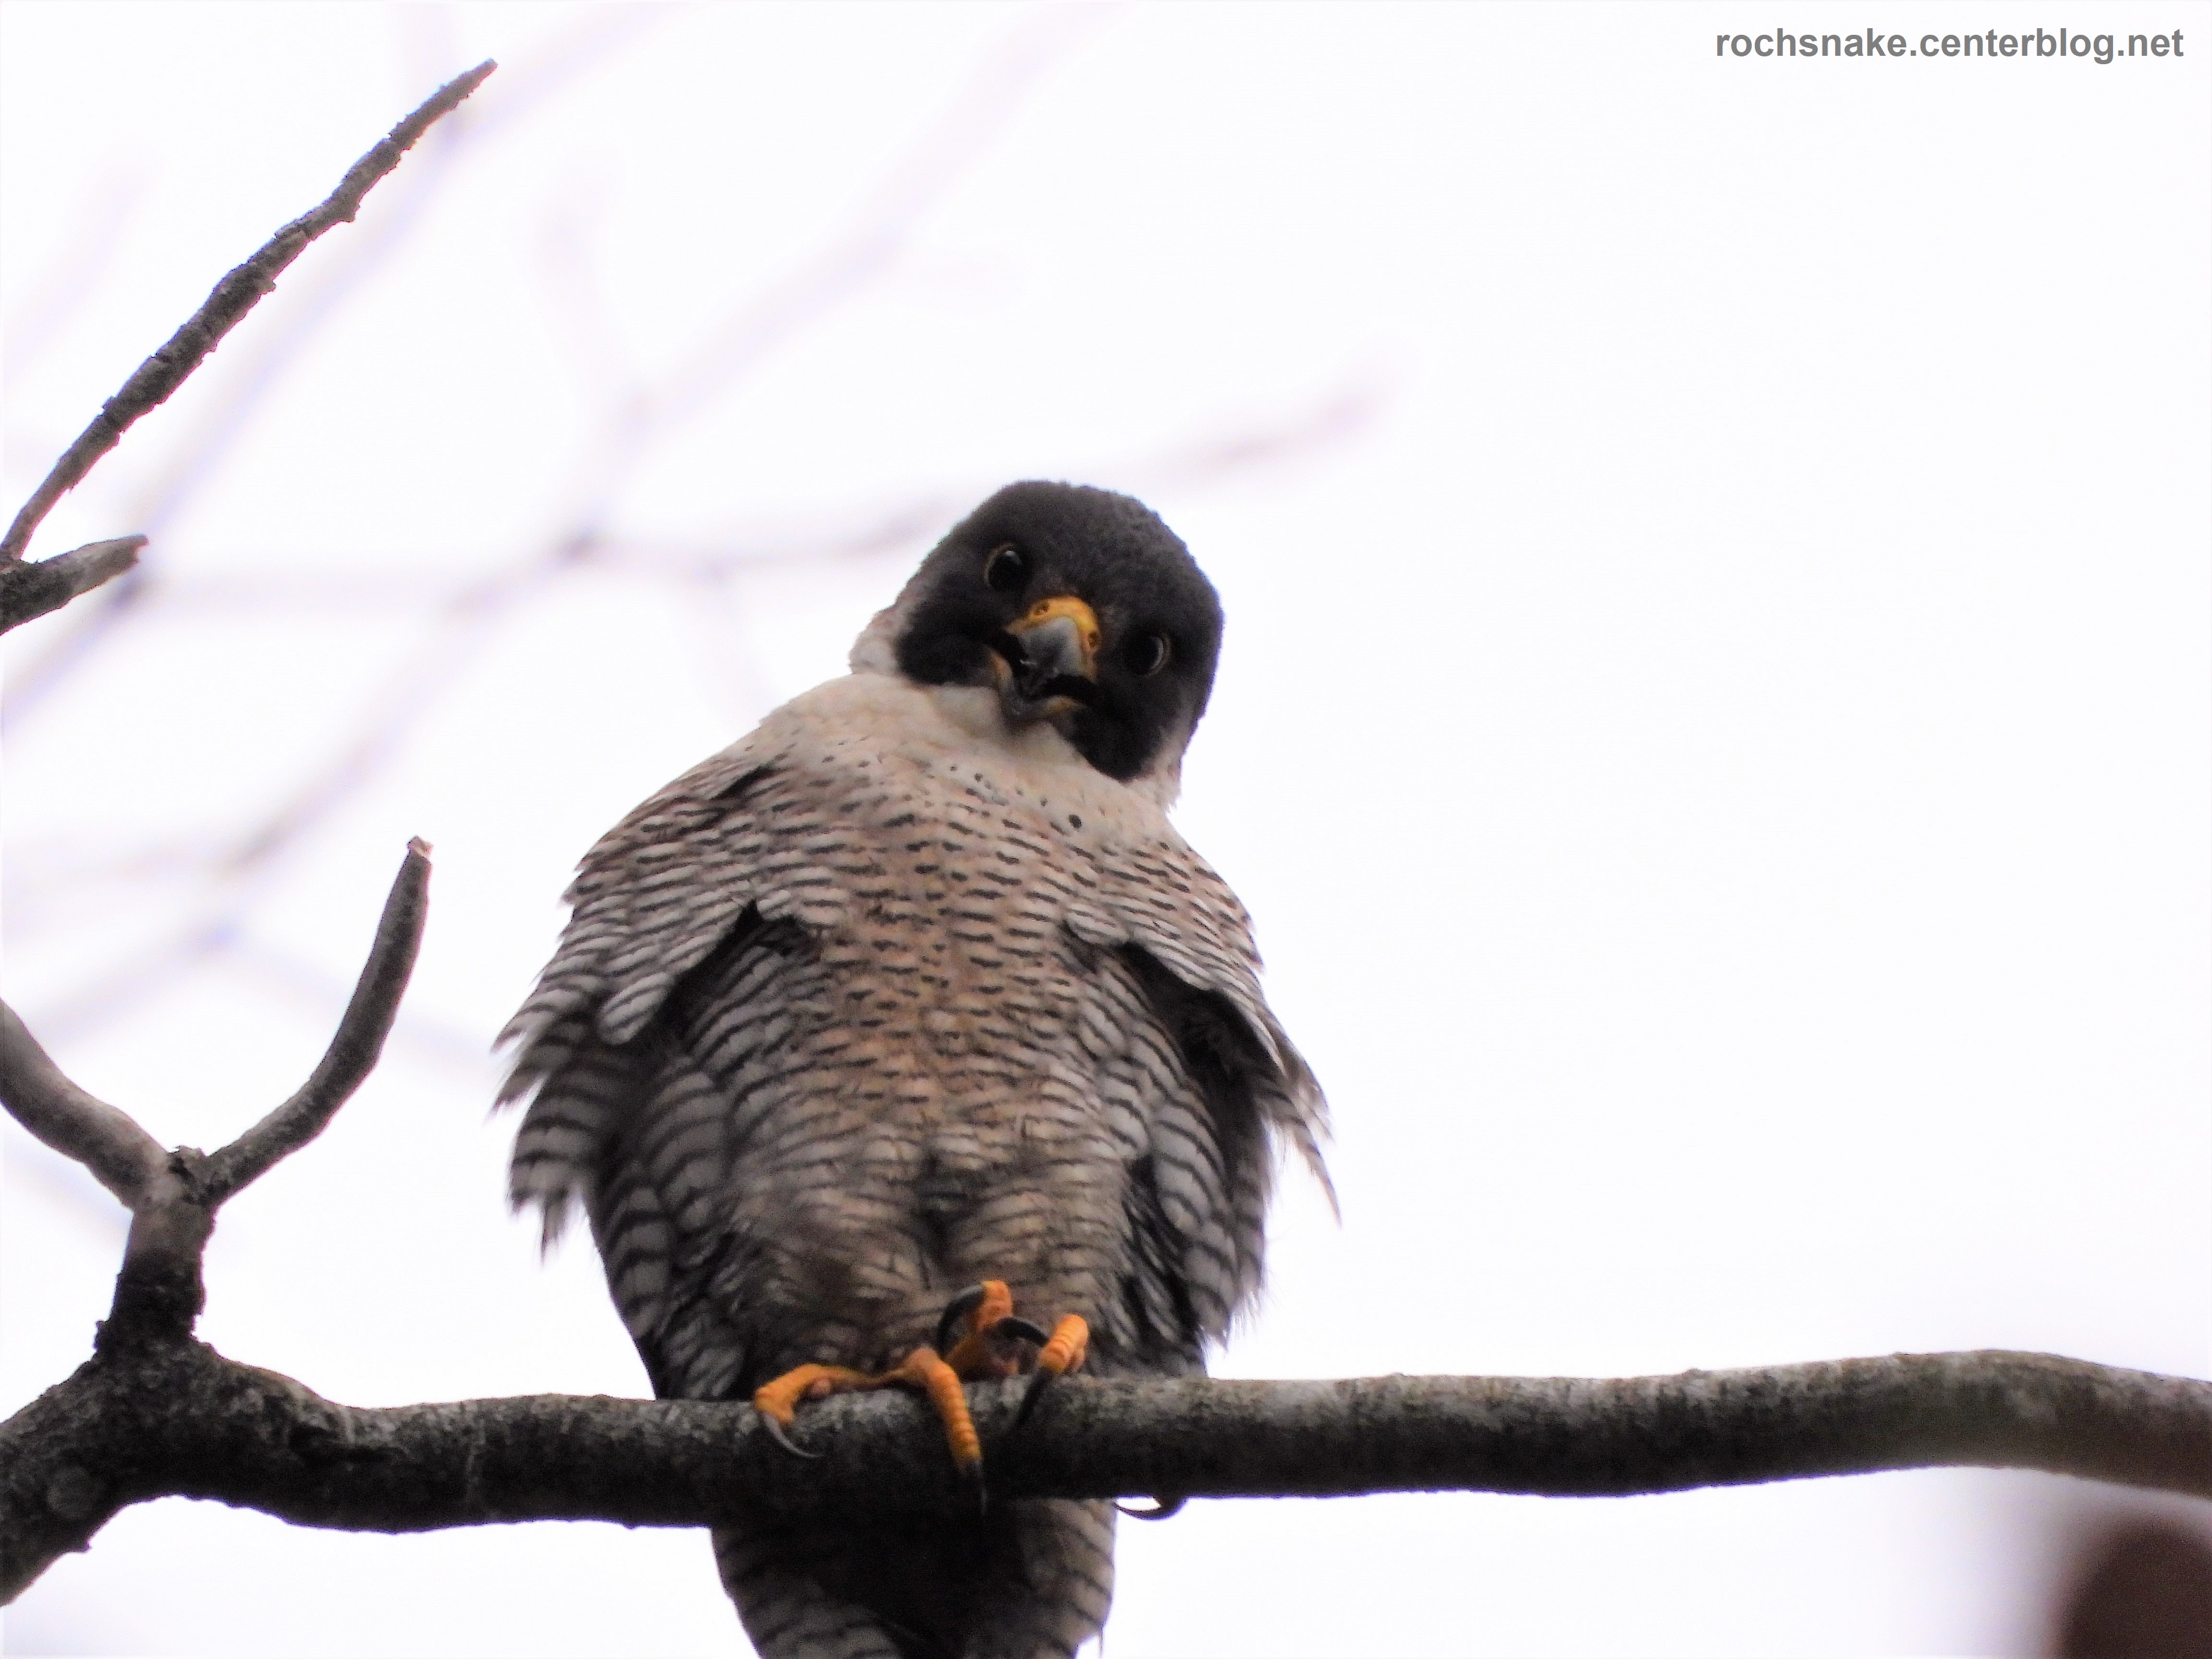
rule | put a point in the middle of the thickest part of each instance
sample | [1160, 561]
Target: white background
[1713, 726]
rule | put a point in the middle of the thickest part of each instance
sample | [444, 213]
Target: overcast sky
[1713, 727]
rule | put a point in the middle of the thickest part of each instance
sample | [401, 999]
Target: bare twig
[903, 525]
[893, 214]
[122, 1156]
[237, 294]
[352, 1051]
[183, 1420]
[525, 86]
[32, 590]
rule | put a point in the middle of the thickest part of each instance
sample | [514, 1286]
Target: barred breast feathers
[751, 829]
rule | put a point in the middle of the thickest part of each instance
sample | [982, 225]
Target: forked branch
[172, 1196]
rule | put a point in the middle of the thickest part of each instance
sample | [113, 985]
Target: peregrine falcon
[915, 989]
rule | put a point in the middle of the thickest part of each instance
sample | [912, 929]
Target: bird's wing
[718, 851]
[1198, 1201]
[1161, 898]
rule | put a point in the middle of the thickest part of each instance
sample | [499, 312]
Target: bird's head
[1079, 608]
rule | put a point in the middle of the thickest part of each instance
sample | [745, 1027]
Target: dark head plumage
[1081, 608]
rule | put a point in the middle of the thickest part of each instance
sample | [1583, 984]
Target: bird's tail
[1032, 1580]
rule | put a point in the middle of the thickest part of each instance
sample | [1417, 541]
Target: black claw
[1162, 1508]
[775, 1432]
[1010, 1326]
[972, 1478]
[1040, 1380]
[956, 1310]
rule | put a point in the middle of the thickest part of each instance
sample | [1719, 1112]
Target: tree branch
[172, 1197]
[237, 294]
[28, 591]
[182, 1420]
[107, 1140]
[352, 1051]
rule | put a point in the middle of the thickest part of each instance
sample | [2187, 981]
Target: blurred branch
[88, 248]
[899, 527]
[466, 612]
[466, 617]
[177, 1418]
[2144, 1585]
[224, 308]
[861, 252]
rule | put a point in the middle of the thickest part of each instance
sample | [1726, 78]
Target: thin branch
[181, 1420]
[107, 1140]
[32, 590]
[174, 1196]
[525, 85]
[352, 1051]
[237, 294]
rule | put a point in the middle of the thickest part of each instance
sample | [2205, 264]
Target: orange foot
[988, 1346]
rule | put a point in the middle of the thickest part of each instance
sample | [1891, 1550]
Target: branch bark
[180, 1420]
[28, 591]
[354, 1050]
[122, 1156]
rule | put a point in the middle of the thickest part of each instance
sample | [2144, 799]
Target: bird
[908, 1015]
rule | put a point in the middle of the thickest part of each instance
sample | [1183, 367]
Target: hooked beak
[1051, 668]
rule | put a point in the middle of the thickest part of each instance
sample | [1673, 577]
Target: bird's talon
[981, 1308]
[1039, 1382]
[972, 1477]
[1063, 1352]
[777, 1400]
[1161, 1509]
[956, 1310]
[1023, 1329]
[775, 1432]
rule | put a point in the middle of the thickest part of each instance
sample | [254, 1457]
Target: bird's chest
[951, 983]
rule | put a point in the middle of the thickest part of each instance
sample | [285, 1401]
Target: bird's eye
[1007, 570]
[1147, 655]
